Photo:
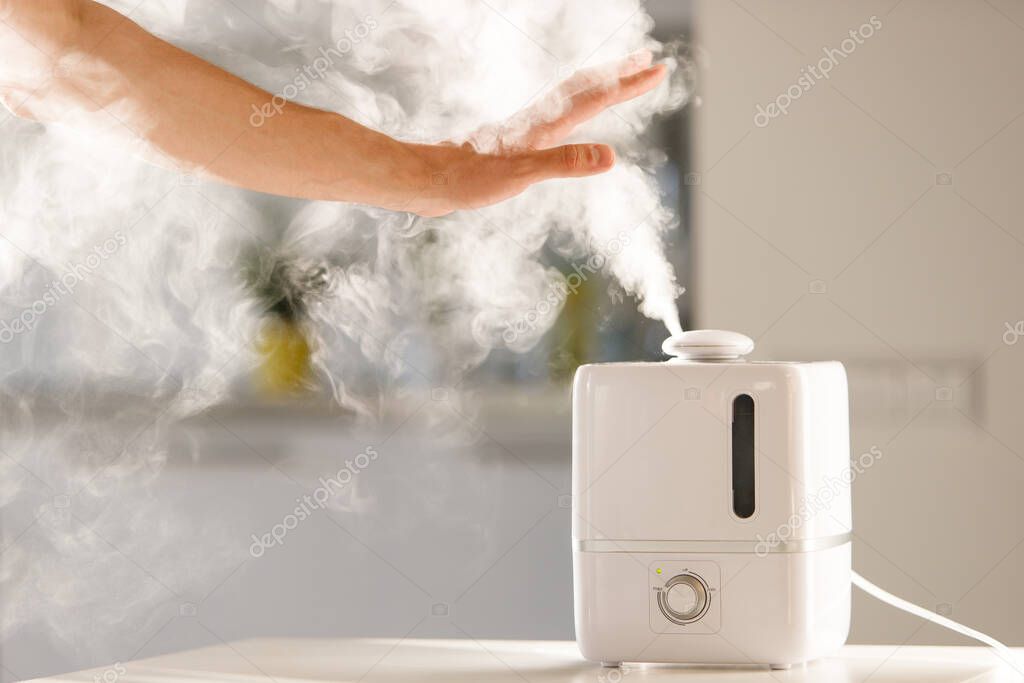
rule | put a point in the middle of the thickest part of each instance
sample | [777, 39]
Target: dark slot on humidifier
[743, 456]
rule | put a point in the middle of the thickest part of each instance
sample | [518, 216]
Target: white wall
[831, 232]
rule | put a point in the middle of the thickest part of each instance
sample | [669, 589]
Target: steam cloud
[163, 326]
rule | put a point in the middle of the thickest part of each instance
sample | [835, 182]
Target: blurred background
[875, 221]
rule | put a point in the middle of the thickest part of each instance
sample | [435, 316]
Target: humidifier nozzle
[708, 345]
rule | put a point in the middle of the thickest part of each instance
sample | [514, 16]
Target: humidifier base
[696, 608]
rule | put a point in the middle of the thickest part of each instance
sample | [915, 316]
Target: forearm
[196, 116]
[77, 61]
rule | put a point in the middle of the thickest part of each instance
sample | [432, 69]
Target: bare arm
[68, 60]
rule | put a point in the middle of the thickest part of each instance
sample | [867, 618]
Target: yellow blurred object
[285, 369]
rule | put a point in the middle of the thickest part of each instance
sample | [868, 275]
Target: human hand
[500, 163]
[297, 151]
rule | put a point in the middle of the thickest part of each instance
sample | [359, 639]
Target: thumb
[571, 161]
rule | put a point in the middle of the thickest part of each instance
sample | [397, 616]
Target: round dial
[684, 598]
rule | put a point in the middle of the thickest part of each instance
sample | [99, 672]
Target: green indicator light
[658, 570]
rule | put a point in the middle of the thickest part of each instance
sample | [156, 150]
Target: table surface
[287, 660]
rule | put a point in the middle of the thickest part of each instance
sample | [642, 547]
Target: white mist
[164, 327]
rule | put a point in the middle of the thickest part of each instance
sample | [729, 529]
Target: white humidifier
[711, 507]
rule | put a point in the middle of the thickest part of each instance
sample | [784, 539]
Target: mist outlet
[708, 345]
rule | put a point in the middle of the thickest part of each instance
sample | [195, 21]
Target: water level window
[743, 456]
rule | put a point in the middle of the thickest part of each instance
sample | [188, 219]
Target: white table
[379, 659]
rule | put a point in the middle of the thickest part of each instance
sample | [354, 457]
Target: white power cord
[899, 603]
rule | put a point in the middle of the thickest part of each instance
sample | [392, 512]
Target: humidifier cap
[708, 345]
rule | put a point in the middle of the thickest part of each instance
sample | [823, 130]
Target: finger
[604, 74]
[587, 104]
[637, 84]
[568, 161]
[640, 59]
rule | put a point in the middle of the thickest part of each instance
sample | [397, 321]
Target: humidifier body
[712, 513]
